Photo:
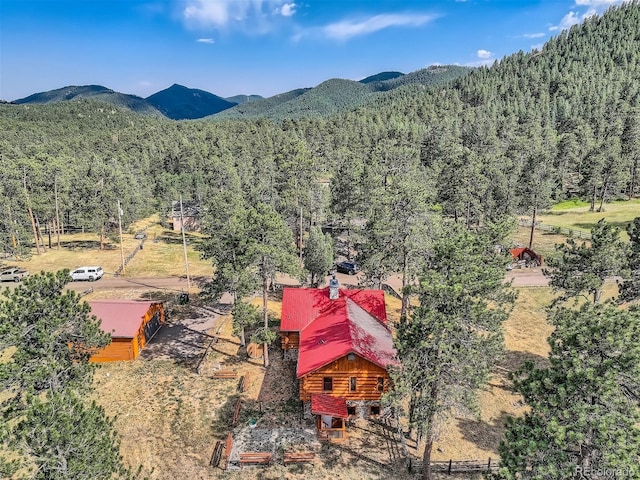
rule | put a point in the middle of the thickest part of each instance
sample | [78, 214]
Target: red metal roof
[301, 306]
[120, 318]
[322, 404]
[330, 329]
[519, 252]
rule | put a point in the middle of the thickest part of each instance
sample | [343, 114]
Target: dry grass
[169, 418]
[526, 332]
[162, 254]
[580, 218]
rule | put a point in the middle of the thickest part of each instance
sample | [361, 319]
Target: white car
[87, 273]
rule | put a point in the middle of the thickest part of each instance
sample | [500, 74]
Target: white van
[87, 273]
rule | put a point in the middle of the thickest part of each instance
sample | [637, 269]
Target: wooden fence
[567, 232]
[455, 466]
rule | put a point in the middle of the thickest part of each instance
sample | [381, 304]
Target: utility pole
[55, 190]
[184, 246]
[301, 234]
[33, 222]
[120, 212]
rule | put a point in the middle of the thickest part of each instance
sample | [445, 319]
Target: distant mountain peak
[179, 102]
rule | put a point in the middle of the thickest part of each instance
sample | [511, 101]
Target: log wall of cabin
[341, 370]
[155, 307]
[118, 349]
[290, 340]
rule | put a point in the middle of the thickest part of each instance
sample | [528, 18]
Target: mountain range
[182, 103]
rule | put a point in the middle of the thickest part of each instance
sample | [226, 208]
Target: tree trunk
[242, 339]
[426, 459]
[533, 226]
[301, 232]
[102, 237]
[265, 316]
[603, 194]
[33, 222]
[592, 207]
[597, 294]
[632, 182]
[40, 236]
[57, 219]
[405, 281]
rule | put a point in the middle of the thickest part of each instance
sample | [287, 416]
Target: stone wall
[363, 407]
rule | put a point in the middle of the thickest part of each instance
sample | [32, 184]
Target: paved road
[179, 284]
[520, 278]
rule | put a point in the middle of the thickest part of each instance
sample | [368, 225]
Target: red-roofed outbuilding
[344, 348]
[131, 323]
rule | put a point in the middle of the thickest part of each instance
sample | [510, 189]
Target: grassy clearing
[162, 254]
[575, 215]
[579, 217]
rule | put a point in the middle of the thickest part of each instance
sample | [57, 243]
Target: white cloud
[597, 3]
[288, 9]
[487, 62]
[484, 54]
[349, 28]
[205, 40]
[534, 35]
[594, 7]
[222, 13]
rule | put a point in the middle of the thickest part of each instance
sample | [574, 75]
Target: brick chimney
[333, 288]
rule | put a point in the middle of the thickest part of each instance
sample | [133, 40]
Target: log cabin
[343, 348]
[131, 323]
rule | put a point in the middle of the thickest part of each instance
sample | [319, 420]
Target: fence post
[449, 470]
[489, 465]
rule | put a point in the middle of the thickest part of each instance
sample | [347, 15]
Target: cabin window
[327, 384]
[374, 410]
[353, 384]
[380, 384]
[351, 357]
[351, 410]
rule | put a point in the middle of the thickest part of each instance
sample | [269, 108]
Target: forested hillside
[338, 95]
[533, 129]
[94, 92]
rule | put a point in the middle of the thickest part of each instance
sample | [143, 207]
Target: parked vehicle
[13, 275]
[87, 273]
[350, 268]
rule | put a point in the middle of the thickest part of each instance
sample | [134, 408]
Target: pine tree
[584, 414]
[449, 343]
[318, 256]
[630, 287]
[47, 337]
[582, 269]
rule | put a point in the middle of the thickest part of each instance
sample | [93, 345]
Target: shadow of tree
[485, 435]
[513, 360]
[622, 225]
[86, 245]
[177, 342]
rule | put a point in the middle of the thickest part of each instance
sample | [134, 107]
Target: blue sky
[263, 47]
